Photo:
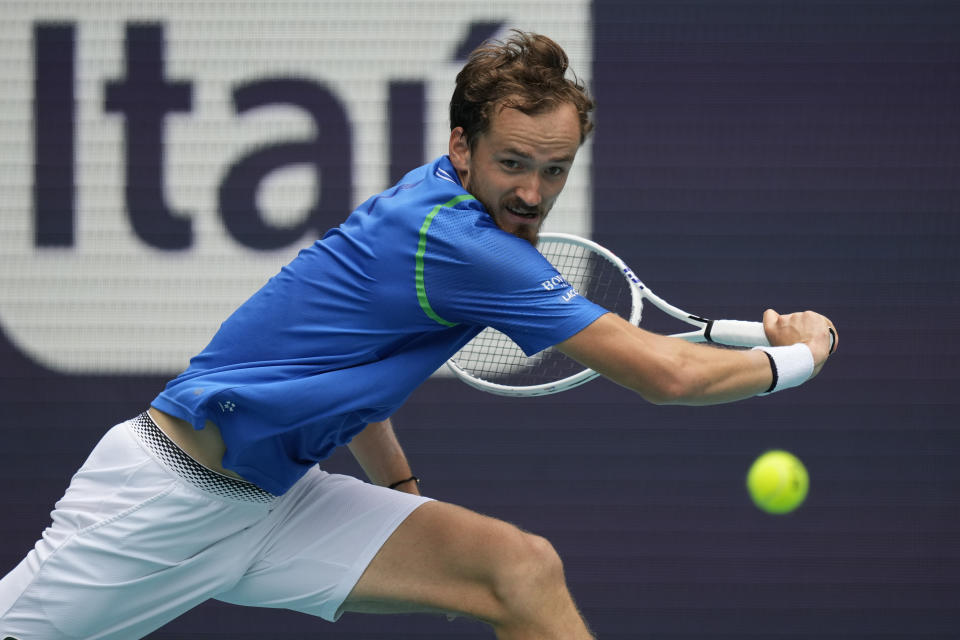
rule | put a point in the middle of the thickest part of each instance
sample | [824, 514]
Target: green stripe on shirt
[422, 249]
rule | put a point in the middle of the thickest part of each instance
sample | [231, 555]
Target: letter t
[145, 97]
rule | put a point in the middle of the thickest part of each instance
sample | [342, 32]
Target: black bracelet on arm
[405, 480]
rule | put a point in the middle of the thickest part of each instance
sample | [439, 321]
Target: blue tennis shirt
[346, 331]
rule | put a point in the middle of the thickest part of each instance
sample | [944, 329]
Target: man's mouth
[524, 213]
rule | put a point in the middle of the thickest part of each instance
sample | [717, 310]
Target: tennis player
[215, 491]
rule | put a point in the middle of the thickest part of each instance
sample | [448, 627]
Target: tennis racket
[493, 362]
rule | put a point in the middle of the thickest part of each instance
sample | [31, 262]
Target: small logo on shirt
[553, 283]
[557, 282]
[227, 407]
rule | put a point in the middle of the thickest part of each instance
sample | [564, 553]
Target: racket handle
[737, 333]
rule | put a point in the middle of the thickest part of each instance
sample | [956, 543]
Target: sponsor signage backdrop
[160, 161]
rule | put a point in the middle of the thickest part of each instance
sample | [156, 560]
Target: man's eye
[555, 171]
[510, 164]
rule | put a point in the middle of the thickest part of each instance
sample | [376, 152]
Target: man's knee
[528, 569]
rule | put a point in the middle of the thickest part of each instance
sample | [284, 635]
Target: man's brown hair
[526, 72]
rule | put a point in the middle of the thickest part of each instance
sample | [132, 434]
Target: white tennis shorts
[144, 533]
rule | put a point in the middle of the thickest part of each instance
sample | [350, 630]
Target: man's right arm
[668, 370]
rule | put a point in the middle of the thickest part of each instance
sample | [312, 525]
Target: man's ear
[459, 152]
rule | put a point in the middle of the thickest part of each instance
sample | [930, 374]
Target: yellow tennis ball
[778, 482]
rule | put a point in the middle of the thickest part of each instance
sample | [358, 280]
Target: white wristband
[791, 366]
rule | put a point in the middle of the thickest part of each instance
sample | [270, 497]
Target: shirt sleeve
[477, 274]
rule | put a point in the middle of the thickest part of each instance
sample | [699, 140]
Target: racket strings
[493, 357]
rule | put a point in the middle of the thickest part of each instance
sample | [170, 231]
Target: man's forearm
[380, 455]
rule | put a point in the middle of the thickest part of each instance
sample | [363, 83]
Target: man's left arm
[667, 370]
[379, 454]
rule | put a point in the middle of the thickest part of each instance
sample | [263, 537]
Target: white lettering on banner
[131, 227]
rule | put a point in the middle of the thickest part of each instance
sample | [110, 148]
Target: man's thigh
[318, 541]
[442, 558]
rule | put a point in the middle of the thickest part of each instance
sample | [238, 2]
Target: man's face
[518, 167]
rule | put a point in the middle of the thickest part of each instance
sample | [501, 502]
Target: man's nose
[529, 191]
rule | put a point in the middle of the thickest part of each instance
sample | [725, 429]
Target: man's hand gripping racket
[494, 363]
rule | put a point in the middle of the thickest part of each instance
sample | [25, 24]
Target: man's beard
[528, 232]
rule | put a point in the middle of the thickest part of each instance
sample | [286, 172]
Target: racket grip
[737, 333]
